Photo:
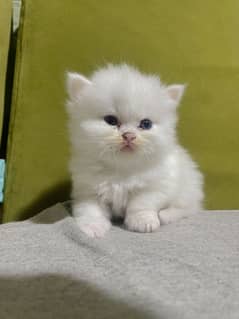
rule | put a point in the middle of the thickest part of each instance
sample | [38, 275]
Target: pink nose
[129, 136]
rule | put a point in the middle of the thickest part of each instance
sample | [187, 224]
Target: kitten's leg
[141, 214]
[91, 218]
[172, 214]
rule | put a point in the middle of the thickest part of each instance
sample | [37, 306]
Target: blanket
[187, 270]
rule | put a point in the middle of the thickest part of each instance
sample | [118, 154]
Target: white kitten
[126, 160]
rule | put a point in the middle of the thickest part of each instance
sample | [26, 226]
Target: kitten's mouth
[127, 147]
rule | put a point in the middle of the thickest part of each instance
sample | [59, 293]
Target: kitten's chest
[117, 194]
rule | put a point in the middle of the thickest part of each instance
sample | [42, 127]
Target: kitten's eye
[111, 120]
[146, 124]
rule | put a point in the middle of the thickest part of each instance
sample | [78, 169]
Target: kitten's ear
[175, 92]
[75, 83]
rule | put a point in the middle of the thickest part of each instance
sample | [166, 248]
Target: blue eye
[111, 120]
[146, 124]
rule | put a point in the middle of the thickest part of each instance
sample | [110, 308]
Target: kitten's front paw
[143, 222]
[96, 227]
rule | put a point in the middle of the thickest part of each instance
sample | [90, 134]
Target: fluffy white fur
[156, 183]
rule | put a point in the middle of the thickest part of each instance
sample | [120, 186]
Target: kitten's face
[122, 116]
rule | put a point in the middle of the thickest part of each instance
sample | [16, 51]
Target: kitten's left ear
[175, 92]
[75, 83]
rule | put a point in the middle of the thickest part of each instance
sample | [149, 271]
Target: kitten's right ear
[75, 83]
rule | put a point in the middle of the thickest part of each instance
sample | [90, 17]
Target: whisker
[147, 151]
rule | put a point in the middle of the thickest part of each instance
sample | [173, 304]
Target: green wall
[193, 42]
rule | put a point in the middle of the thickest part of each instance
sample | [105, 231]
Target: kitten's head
[122, 116]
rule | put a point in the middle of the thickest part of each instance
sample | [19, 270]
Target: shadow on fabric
[59, 296]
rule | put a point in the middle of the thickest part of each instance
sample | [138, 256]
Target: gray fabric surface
[189, 269]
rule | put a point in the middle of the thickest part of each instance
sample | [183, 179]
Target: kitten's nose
[129, 136]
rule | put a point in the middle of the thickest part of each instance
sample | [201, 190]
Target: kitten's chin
[132, 159]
